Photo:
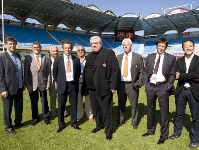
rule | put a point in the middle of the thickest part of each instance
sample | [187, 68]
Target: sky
[138, 7]
[143, 7]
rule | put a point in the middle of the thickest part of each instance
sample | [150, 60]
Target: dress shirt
[159, 76]
[187, 62]
[71, 74]
[82, 64]
[52, 60]
[18, 66]
[39, 58]
[127, 78]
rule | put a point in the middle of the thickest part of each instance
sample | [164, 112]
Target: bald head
[54, 51]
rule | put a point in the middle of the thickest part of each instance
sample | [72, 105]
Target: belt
[186, 88]
[70, 82]
[127, 82]
[158, 83]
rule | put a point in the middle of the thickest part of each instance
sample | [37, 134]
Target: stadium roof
[90, 18]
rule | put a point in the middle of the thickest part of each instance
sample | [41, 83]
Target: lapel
[152, 60]
[10, 59]
[100, 57]
[120, 60]
[74, 63]
[133, 60]
[62, 63]
[192, 64]
[183, 65]
[33, 61]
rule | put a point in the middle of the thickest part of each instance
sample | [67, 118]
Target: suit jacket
[105, 72]
[137, 69]
[8, 74]
[59, 73]
[34, 77]
[168, 70]
[193, 73]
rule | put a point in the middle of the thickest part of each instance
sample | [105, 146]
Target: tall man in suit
[80, 108]
[53, 87]
[66, 72]
[11, 85]
[130, 80]
[37, 78]
[159, 75]
[100, 79]
[187, 74]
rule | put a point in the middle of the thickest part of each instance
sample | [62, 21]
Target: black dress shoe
[60, 129]
[96, 129]
[47, 122]
[20, 125]
[172, 137]
[76, 127]
[146, 134]
[161, 140]
[35, 121]
[193, 145]
[109, 137]
[11, 131]
[119, 124]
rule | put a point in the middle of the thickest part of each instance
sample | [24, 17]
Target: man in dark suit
[66, 72]
[11, 85]
[100, 79]
[187, 90]
[130, 80]
[37, 78]
[159, 75]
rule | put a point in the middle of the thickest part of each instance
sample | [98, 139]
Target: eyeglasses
[80, 50]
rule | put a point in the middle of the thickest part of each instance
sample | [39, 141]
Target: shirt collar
[128, 53]
[190, 57]
[37, 55]
[157, 55]
[66, 57]
[10, 53]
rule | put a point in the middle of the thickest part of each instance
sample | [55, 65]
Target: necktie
[157, 65]
[37, 62]
[68, 65]
[125, 70]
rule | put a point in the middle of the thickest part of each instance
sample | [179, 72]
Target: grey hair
[52, 47]
[97, 38]
[128, 40]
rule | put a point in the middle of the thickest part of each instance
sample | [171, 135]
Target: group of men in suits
[99, 77]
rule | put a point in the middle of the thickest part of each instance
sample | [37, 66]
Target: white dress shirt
[70, 75]
[187, 62]
[127, 78]
[159, 76]
[39, 58]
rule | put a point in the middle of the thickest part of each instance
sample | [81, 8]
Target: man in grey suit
[11, 85]
[159, 75]
[53, 88]
[37, 78]
[130, 80]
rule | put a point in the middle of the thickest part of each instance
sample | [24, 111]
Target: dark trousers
[102, 108]
[7, 108]
[127, 90]
[62, 98]
[181, 101]
[34, 104]
[154, 92]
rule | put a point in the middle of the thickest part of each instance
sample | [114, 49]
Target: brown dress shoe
[91, 120]
[135, 126]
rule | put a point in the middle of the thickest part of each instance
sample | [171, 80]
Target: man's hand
[113, 91]
[177, 75]
[29, 88]
[4, 94]
[47, 87]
